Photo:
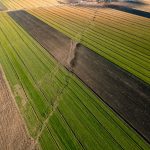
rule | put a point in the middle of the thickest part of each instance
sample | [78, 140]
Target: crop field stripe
[117, 44]
[2, 7]
[132, 58]
[102, 19]
[25, 90]
[88, 111]
[107, 39]
[77, 33]
[13, 48]
[26, 66]
[60, 114]
[35, 83]
[118, 13]
[31, 105]
[97, 16]
[102, 108]
[64, 119]
[138, 65]
[83, 103]
[101, 22]
[131, 10]
[66, 105]
[116, 55]
[81, 11]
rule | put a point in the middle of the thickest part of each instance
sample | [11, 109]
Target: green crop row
[60, 111]
[126, 44]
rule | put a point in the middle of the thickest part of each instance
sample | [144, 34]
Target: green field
[122, 38]
[59, 110]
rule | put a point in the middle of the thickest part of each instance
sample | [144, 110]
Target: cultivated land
[123, 38]
[60, 111]
[13, 134]
[127, 95]
[26, 4]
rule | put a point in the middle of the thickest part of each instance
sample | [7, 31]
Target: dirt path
[13, 135]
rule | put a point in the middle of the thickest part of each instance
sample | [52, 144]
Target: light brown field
[13, 135]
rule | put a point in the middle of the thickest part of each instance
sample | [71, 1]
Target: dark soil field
[13, 135]
[123, 92]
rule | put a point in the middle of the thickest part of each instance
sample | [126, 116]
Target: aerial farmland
[74, 74]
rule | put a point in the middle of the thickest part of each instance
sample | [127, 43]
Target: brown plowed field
[13, 135]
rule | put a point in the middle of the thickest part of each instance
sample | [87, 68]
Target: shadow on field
[123, 92]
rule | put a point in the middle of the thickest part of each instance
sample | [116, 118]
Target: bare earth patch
[13, 135]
